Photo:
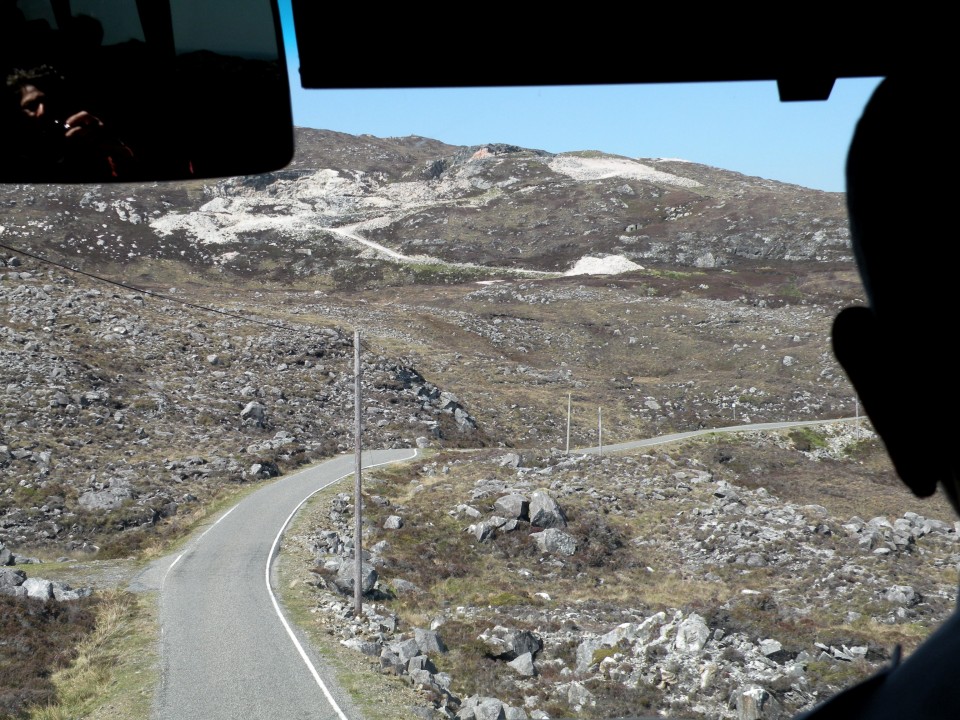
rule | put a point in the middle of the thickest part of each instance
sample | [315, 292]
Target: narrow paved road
[226, 650]
[636, 444]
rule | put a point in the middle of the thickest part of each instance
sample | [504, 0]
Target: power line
[167, 298]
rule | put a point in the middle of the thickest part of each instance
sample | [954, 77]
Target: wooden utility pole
[357, 499]
[568, 423]
[856, 399]
[600, 431]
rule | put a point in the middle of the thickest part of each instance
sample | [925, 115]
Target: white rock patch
[580, 168]
[610, 265]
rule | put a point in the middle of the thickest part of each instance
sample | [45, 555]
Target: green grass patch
[806, 439]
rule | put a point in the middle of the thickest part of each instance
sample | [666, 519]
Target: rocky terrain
[121, 410]
[164, 344]
[348, 208]
[224, 354]
[669, 582]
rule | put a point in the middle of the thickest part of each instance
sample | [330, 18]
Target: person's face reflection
[33, 102]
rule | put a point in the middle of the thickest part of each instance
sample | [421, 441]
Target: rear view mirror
[140, 90]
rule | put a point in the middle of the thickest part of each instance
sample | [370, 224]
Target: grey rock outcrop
[545, 512]
[556, 542]
[346, 575]
[506, 643]
[514, 506]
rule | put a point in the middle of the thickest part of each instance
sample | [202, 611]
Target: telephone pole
[600, 431]
[568, 423]
[856, 399]
[357, 499]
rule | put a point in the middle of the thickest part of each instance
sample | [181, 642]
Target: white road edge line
[273, 598]
[164, 581]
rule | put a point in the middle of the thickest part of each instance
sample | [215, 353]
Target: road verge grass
[113, 671]
[115, 666]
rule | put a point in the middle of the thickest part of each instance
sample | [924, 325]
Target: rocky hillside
[348, 209]
[225, 354]
[683, 581]
[207, 342]
[122, 410]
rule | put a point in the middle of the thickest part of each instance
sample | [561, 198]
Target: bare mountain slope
[369, 203]
[95, 374]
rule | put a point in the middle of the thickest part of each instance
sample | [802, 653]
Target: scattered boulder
[523, 665]
[481, 708]
[505, 643]
[254, 413]
[556, 542]
[755, 703]
[545, 512]
[692, 634]
[429, 641]
[513, 506]
[346, 573]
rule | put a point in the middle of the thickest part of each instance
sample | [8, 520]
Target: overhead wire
[167, 298]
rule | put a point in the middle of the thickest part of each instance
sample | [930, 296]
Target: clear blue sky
[735, 126]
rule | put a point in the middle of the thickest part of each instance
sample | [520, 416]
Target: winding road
[227, 651]
[662, 439]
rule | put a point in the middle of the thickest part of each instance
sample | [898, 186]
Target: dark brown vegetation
[37, 638]
[634, 556]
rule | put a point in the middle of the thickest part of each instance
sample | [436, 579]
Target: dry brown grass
[113, 672]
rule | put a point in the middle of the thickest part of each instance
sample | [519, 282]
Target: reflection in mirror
[134, 90]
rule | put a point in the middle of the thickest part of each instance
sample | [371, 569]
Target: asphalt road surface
[636, 444]
[226, 649]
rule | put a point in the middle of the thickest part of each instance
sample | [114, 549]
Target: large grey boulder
[421, 662]
[254, 413]
[429, 641]
[578, 696]
[99, 500]
[38, 588]
[523, 665]
[556, 542]
[692, 635]
[755, 703]
[513, 506]
[508, 644]
[263, 470]
[107, 499]
[545, 512]
[513, 460]
[481, 708]
[347, 572]
[63, 592]
[405, 650]
[902, 595]
[487, 530]
[10, 577]
[392, 663]
[585, 653]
